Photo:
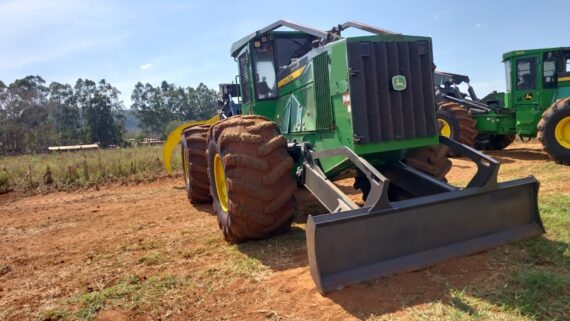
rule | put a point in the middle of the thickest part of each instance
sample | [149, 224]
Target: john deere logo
[399, 82]
[528, 96]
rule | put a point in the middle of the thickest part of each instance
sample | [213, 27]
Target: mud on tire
[194, 164]
[431, 160]
[259, 184]
[554, 131]
[463, 126]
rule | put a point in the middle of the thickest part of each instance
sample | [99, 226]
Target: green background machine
[535, 104]
[312, 107]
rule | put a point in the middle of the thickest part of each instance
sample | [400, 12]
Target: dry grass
[71, 170]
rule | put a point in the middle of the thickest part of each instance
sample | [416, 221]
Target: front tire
[554, 131]
[251, 181]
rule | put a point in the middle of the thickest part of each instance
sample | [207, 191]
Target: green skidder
[536, 103]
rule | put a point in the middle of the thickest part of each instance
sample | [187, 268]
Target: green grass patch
[537, 283]
[539, 292]
[132, 292]
[153, 259]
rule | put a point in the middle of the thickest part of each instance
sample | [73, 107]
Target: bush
[4, 186]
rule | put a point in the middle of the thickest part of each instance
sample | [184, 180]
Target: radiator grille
[381, 113]
[322, 91]
[244, 79]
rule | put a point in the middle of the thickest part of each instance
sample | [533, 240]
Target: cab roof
[326, 36]
[516, 53]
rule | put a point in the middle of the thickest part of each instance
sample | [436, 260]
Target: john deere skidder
[316, 107]
[536, 104]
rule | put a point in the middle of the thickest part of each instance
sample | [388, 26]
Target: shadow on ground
[525, 277]
[518, 154]
[516, 277]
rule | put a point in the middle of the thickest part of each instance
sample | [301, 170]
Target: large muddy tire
[456, 123]
[431, 160]
[493, 142]
[251, 178]
[194, 165]
[554, 131]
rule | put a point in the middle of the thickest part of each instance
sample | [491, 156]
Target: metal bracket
[365, 27]
[332, 197]
[487, 167]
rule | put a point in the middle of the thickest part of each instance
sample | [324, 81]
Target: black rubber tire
[493, 142]
[195, 172]
[546, 131]
[259, 179]
[463, 126]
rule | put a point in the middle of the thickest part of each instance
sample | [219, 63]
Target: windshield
[291, 48]
[508, 75]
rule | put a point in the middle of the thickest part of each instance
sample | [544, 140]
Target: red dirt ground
[60, 245]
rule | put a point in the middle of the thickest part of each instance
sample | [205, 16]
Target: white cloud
[146, 66]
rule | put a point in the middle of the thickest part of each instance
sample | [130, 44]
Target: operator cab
[447, 84]
[271, 56]
[536, 69]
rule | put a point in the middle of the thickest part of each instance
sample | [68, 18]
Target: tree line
[35, 115]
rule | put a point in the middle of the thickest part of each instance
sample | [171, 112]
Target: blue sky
[187, 42]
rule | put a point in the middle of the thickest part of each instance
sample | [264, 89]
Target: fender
[174, 138]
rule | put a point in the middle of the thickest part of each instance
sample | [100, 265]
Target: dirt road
[143, 253]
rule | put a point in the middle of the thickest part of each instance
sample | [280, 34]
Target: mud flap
[365, 243]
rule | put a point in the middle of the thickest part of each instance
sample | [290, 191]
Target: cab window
[549, 73]
[526, 73]
[508, 75]
[292, 48]
[264, 68]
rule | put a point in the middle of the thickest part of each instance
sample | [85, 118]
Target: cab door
[526, 81]
[526, 94]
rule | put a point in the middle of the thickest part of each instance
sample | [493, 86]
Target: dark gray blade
[357, 245]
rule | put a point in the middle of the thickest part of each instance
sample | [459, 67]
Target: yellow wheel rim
[562, 132]
[445, 128]
[220, 179]
[186, 166]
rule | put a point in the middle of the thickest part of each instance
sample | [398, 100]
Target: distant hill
[132, 123]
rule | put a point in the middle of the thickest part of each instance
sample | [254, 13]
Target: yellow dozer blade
[174, 138]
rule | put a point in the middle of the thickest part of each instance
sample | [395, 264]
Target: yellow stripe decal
[564, 79]
[292, 76]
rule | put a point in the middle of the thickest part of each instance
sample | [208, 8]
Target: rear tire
[554, 131]
[493, 142]
[194, 165]
[431, 160]
[251, 180]
[457, 123]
